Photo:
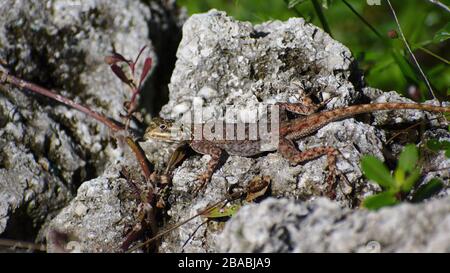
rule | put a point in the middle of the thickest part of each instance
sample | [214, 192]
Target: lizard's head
[164, 130]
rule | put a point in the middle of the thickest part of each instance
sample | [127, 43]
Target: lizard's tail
[367, 108]
[315, 121]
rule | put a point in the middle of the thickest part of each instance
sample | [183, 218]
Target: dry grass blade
[162, 233]
[177, 156]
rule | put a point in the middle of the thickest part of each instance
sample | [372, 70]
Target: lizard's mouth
[172, 135]
[167, 137]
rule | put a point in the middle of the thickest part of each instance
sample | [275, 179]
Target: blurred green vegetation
[386, 62]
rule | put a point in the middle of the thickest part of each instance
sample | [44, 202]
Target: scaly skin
[288, 132]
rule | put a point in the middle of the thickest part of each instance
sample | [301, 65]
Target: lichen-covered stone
[226, 64]
[96, 219]
[48, 150]
[323, 226]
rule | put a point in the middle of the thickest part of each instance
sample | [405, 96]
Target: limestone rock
[323, 226]
[48, 150]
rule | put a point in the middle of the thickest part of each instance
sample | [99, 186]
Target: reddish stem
[140, 155]
[137, 58]
[20, 83]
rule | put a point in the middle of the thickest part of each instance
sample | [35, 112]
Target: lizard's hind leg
[206, 147]
[304, 107]
[288, 150]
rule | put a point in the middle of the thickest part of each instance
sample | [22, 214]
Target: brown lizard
[289, 130]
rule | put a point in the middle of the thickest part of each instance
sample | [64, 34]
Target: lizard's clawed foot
[330, 190]
[203, 179]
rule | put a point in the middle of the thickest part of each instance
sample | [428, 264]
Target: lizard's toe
[203, 179]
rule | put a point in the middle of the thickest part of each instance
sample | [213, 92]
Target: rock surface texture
[226, 64]
[48, 150]
[223, 63]
[323, 226]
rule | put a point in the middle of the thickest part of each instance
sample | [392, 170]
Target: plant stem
[439, 4]
[140, 156]
[364, 21]
[162, 233]
[322, 18]
[22, 84]
[434, 55]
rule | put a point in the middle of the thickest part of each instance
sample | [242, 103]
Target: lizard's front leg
[300, 108]
[304, 107]
[207, 147]
[288, 150]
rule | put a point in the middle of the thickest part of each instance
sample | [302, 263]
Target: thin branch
[164, 232]
[434, 55]
[404, 131]
[192, 234]
[22, 84]
[409, 49]
[364, 20]
[322, 18]
[140, 156]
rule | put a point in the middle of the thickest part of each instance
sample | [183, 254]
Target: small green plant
[436, 145]
[398, 186]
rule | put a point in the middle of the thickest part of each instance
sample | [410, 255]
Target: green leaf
[375, 170]
[221, 212]
[428, 190]
[380, 200]
[410, 181]
[445, 144]
[399, 177]
[408, 158]
[442, 34]
[434, 145]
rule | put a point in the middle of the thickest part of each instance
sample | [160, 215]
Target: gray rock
[226, 64]
[383, 118]
[104, 210]
[96, 219]
[323, 226]
[223, 63]
[48, 150]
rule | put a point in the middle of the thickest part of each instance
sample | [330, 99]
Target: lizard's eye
[162, 127]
